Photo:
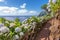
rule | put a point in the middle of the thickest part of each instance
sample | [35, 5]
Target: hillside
[51, 30]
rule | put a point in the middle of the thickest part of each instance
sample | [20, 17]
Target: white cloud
[23, 11]
[23, 6]
[2, 0]
[6, 9]
[49, 1]
[13, 11]
[32, 12]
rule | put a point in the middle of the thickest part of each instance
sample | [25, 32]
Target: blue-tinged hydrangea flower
[1, 25]
[15, 37]
[17, 29]
[4, 29]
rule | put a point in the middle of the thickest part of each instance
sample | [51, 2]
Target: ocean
[13, 17]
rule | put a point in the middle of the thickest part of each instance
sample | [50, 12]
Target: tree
[44, 7]
[42, 13]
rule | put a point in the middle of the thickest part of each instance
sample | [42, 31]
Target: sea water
[13, 17]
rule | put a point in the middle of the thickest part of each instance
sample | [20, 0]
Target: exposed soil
[50, 30]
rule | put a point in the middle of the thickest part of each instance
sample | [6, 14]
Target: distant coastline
[13, 17]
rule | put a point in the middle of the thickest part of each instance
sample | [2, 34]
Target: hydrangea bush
[15, 30]
[10, 30]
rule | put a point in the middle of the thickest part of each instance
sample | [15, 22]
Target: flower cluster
[15, 30]
[10, 30]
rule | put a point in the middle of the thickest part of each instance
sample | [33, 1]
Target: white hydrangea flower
[26, 26]
[16, 37]
[21, 33]
[17, 29]
[4, 29]
[49, 10]
[6, 22]
[23, 24]
[34, 24]
[12, 24]
[54, 1]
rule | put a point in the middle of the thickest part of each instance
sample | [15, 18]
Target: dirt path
[44, 34]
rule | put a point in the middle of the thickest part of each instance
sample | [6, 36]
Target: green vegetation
[14, 30]
[11, 29]
[55, 6]
[44, 7]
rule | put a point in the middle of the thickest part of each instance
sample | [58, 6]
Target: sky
[21, 7]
